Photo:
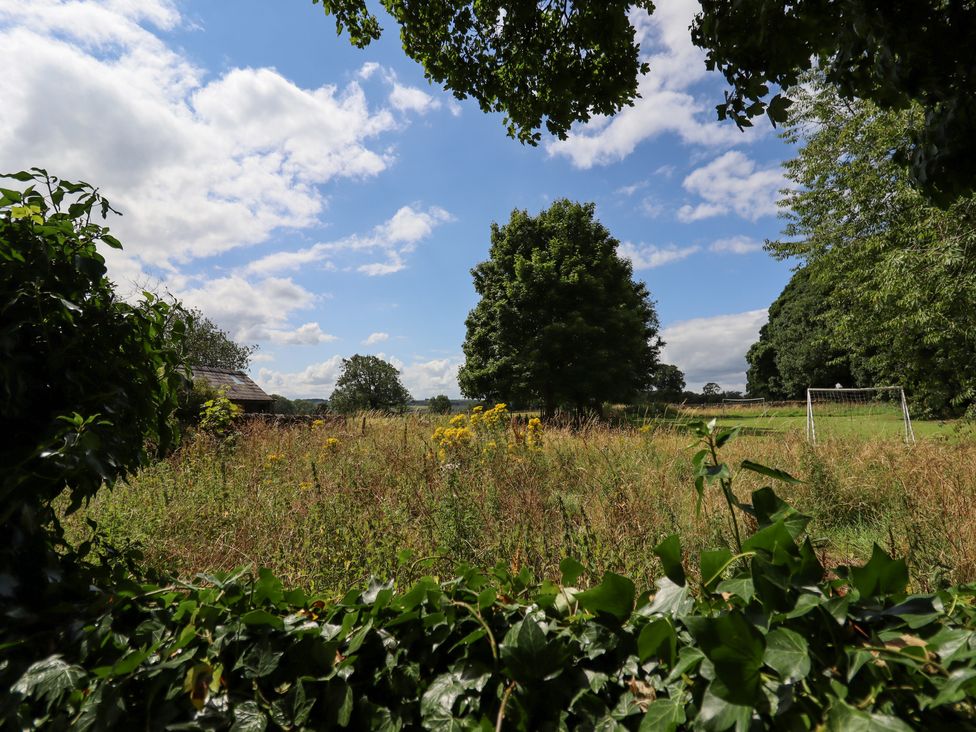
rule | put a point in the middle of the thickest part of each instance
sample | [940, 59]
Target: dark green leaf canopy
[560, 62]
[368, 382]
[561, 322]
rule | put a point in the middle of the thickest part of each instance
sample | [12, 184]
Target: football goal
[757, 401]
[838, 412]
[739, 406]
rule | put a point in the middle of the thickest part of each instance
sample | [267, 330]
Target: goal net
[757, 401]
[874, 411]
[755, 406]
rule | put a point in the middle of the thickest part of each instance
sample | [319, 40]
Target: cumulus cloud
[393, 239]
[199, 166]
[253, 311]
[316, 381]
[375, 338]
[412, 99]
[733, 183]
[423, 379]
[665, 104]
[713, 349]
[736, 245]
[310, 334]
[649, 256]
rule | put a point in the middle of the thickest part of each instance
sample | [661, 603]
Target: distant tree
[561, 322]
[711, 390]
[439, 404]
[668, 382]
[206, 344]
[282, 405]
[368, 382]
[901, 272]
[798, 347]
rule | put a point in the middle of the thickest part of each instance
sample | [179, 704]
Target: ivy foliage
[754, 636]
[87, 382]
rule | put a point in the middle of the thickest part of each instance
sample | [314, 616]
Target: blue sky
[320, 200]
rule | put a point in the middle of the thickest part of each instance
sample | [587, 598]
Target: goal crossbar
[897, 394]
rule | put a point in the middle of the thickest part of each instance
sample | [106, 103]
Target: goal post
[744, 402]
[868, 410]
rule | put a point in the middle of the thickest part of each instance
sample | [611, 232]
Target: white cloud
[374, 338]
[425, 379]
[412, 99]
[198, 166]
[251, 311]
[650, 208]
[736, 245]
[732, 183]
[713, 349]
[394, 238]
[316, 381]
[648, 256]
[664, 106]
[310, 334]
[632, 188]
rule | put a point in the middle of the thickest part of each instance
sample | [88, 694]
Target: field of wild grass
[327, 505]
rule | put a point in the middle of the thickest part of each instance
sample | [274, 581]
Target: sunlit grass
[326, 506]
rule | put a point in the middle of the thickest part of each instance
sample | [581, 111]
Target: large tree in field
[368, 382]
[901, 272]
[561, 322]
[560, 62]
[797, 348]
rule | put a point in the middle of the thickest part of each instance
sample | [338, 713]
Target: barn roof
[238, 386]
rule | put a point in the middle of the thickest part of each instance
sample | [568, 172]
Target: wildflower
[318, 423]
[533, 433]
[332, 443]
[458, 420]
[645, 428]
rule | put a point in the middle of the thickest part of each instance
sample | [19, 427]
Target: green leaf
[248, 717]
[713, 563]
[787, 654]
[571, 571]
[725, 435]
[770, 508]
[669, 552]
[736, 649]
[529, 654]
[670, 599]
[658, 638]
[845, 718]
[718, 713]
[613, 596]
[263, 617]
[774, 473]
[663, 715]
[48, 679]
[881, 576]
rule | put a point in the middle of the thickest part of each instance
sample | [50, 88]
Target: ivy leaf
[262, 617]
[713, 563]
[658, 638]
[787, 654]
[571, 571]
[774, 473]
[248, 717]
[881, 576]
[613, 596]
[736, 648]
[663, 715]
[845, 718]
[48, 679]
[669, 552]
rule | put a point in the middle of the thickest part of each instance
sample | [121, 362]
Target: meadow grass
[327, 505]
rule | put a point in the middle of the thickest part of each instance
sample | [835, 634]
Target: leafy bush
[763, 639]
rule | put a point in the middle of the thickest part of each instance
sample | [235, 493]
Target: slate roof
[238, 385]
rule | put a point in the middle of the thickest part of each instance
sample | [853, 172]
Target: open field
[865, 422]
[325, 506]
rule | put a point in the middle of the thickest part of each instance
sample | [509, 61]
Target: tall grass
[325, 506]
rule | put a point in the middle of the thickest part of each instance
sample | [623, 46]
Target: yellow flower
[332, 443]
[458, 420]
[318, 423]
[645, 428]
